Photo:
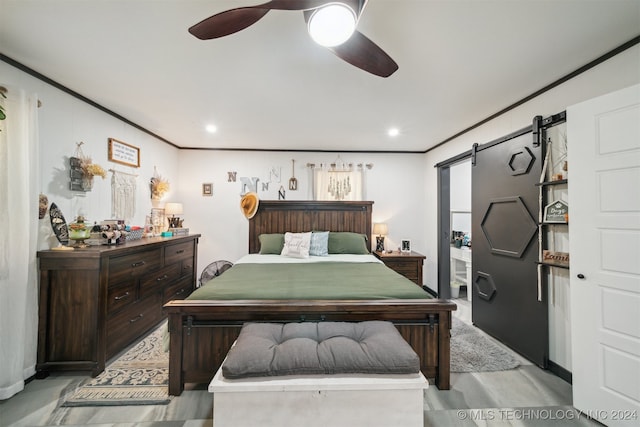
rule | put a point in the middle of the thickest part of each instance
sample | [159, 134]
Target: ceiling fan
[351, 45]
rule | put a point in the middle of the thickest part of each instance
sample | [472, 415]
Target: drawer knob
[161, 278]
[137, 264]
[180, 251]
[181, 291]
[121, 297]
[135, 319]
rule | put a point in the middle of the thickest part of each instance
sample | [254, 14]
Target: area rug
[139, 377]
[473, 352]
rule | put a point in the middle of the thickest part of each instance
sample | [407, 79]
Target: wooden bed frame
[203, 331]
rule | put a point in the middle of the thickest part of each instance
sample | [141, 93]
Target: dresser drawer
[186, 267]
[121, 296]
[130, 323]
[133, 265]
[403, 267]
[179, 290]
[157, 280]
[178, 251]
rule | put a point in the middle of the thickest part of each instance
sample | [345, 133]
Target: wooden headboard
[296, 216]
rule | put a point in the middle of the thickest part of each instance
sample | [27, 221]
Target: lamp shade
[380, 228]
[173, 208]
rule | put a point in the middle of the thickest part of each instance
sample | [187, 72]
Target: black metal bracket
[554, 119]
[189, 324]
[474, 151]
[536, 129]
[432, 322]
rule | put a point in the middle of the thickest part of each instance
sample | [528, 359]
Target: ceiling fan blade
[228, 22]
[234, 20]
[361, 52]
[299, 4]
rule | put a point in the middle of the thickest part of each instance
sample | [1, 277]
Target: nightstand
[409, 264]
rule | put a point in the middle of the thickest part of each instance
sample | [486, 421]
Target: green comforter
[323, 280]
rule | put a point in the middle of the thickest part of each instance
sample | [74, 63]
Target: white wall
[64, 121]
[394, 184]
[618, 72]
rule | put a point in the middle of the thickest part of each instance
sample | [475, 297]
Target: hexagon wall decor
[508, 226]
[521, 161]
[485, 286]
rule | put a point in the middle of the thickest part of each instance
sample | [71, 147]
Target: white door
[604, 231]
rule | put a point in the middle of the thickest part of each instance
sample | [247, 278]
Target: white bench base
[319, 401]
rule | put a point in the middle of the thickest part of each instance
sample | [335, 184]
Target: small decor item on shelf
[170, 211]
[79, 231]
[43, 204]
[134, 233]
[157, 220]
[158, 186]
[556, 212]
[405, 246]
[112, 231]
[59, 224]
[557, 258]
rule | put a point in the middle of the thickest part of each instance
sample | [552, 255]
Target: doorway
[460, 242]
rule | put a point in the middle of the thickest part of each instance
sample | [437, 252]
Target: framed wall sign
[123, 153]
[556, 212]
[557, 258]
[207, 189]
[405, 245]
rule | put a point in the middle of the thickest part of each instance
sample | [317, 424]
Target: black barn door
[507, 303]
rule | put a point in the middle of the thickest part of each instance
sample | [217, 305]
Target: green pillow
[347, 243]
[271, 243]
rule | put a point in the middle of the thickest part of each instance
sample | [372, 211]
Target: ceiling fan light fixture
[332, 24]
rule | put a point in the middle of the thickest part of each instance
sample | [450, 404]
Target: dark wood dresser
[96, 301]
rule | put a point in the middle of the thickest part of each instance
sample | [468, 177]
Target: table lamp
[381, 230]
[173, 209]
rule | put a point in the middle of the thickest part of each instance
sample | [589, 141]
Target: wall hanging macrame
[123, 195]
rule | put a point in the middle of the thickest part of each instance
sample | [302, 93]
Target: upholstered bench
[319, 374]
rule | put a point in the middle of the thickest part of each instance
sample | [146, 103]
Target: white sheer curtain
[19, 182]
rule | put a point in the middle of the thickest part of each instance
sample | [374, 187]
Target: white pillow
[296, 245]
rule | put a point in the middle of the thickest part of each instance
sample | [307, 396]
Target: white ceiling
[270, 87]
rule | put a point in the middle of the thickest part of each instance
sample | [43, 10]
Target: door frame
[444, 223]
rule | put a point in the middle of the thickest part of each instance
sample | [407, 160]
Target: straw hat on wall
[249, 204]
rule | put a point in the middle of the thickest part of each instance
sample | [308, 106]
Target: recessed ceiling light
[393, 132]
[211, 128]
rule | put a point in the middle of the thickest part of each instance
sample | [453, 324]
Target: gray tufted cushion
[270, 349]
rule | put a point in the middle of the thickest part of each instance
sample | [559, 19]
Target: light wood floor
[525, 396]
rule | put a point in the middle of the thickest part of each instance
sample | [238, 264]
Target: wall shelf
[557, 182]
[548, 264]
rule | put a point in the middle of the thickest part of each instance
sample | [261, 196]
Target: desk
[461, 267]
